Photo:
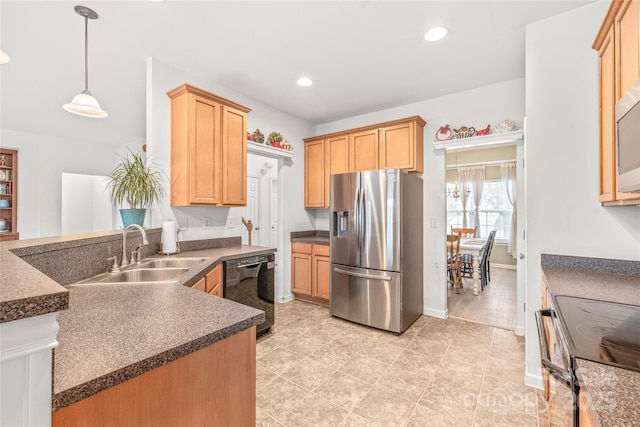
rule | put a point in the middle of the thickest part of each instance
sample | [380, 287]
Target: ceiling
[362, 56]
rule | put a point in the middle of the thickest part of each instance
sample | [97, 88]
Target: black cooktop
[601, 331]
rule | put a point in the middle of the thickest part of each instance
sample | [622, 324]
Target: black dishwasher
[250, 281]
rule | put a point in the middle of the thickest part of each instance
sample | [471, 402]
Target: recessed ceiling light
[435, 34]
[303, 81]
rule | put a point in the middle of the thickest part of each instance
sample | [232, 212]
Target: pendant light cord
[86, 55]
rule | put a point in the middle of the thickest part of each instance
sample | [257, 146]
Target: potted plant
[135, 181]
[275, 138]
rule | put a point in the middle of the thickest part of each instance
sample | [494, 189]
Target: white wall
[41, 161]
[564, 216]
[477, 108]
[161, 79]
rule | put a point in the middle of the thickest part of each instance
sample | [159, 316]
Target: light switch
[434, 222]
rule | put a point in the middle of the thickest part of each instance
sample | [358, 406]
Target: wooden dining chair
[483, 260]
[466, 260]
[453, 264]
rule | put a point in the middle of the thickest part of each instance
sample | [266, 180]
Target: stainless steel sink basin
[172, 262]
[139, 275]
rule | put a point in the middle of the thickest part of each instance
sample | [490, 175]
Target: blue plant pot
[132, 216]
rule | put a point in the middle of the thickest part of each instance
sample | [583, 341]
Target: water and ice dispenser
[341, 223]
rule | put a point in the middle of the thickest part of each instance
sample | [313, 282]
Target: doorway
[262, 201]
[501, 303]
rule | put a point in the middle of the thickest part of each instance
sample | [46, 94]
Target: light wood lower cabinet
[584, 417]
[208, 149]
[211, 282]
[310, 272]
[214, 386]
[390, 145]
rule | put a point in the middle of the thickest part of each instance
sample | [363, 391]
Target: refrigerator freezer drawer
[369, 297]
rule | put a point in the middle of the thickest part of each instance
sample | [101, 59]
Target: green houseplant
[138, 183]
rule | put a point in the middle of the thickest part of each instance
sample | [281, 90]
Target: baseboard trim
[520, 331]
[505, 266]
[286, 298]
[440, 314]
[534, 381]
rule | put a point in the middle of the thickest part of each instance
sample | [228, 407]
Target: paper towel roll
[169, 245]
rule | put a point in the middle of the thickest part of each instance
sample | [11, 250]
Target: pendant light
[454, 192]
[84, 104]
[4, 58]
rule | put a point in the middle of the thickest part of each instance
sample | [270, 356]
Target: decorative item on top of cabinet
[389, 145]
[208, 149]
[310, 272]
[8, 195]
[618, 46]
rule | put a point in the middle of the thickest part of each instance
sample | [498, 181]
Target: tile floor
[316, 370]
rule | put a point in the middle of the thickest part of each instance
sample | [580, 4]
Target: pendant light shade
[84, 104]
[4, 58]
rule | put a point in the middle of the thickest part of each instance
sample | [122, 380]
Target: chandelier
[453, 190]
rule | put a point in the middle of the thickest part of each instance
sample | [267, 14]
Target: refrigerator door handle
[363, 217]
[356, 218]
[363, 275]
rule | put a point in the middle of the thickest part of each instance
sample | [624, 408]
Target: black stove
[600, 331]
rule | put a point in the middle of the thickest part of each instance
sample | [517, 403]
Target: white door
[273, 213]
[252, 210]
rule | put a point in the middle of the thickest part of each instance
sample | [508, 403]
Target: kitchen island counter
[611, 392]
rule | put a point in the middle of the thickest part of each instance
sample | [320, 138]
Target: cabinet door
[204, 151]
[301, 273]
[214, 281]
[627, 38]
[234, 157]
[607, 120]
[397, 147]
[337, 160]
[200, 285]
[314, 174]
[363, 153]
[320, 272]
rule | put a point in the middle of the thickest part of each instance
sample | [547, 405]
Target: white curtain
[508, 174]
[464, 196]
[473, 177]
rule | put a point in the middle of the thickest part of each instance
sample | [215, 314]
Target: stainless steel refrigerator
[376, 248]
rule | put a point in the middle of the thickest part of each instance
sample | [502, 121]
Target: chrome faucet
[124, 261]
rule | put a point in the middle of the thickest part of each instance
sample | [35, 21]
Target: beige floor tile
[336, 352]
[509, 370]
[505, 418]
[314, 411]
[498, 394]
[305, 345]
[423, 416]
[343, 390]
[355, 420]
[263, 419]
[477, 331]
[308, 373]
[381, 351]
[364, 367]
[439, 332]
[412, 361]
[276, 360]
[404, 383]
[457, 377]
[385, 408]
[431, 347]
[457, 404]
[263, 376]
[279, 396]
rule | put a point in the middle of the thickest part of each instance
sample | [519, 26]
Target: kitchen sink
[138, 275]
[171, 262]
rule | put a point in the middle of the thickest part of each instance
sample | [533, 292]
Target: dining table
[474, 246]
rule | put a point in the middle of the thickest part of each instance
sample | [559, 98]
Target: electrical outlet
[230, 222]
[206, 222]
[183, 224]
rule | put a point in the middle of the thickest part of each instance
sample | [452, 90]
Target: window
[495, 211]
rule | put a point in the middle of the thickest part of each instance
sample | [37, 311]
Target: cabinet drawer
[321, 250]
[200, 285]
[304, 248]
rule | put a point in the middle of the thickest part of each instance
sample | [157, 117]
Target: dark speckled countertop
[317, 237]
[613, 392]
[112, 333]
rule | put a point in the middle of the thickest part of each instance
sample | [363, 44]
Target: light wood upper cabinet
[208, 149]
[337, 159]
[618, 46]
[401, 146]
[363, 153]
[395, 144]
[314, 174]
